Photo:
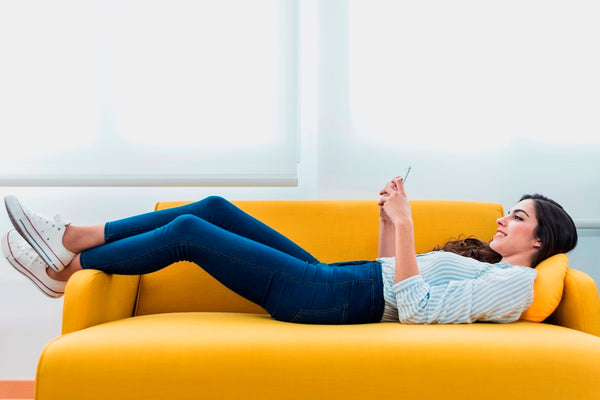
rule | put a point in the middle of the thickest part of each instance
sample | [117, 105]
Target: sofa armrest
[579, 307]
[93, 297]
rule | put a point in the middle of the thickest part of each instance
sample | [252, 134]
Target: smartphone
[406, 174]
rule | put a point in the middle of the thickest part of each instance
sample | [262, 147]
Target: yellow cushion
[547, 288]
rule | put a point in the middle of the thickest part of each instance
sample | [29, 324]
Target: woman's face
[515, 238]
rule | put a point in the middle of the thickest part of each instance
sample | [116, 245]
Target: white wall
[337, 161]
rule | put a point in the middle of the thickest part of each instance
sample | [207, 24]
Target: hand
[394, 205]
[383, 217]
[389, 188]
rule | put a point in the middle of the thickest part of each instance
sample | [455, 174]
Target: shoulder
[504, 267]
[449, 257]
[507, 275]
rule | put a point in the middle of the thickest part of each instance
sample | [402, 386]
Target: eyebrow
[520, 210]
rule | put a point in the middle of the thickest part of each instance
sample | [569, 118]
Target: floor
[16, 389]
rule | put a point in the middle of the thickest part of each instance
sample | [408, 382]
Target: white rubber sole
[26, 272]
[26, 229]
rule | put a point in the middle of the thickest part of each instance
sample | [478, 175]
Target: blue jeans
[248, 257]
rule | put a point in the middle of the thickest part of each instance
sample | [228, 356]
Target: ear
[537, 244]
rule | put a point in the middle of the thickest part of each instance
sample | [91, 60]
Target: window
[442, 74]
[134, 92]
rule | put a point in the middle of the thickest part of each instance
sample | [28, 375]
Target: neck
[518, 259]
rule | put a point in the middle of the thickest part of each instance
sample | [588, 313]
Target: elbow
[412, 300]
[413, 313]
[410, 320]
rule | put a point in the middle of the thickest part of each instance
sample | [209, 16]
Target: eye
[517, 218]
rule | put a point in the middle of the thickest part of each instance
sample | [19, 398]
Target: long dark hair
[556, 232]
[471, 247]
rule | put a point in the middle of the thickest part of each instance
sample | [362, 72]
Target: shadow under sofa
[179, 334]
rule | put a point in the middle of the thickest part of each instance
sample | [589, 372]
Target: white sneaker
[43, 234]
[25, 260]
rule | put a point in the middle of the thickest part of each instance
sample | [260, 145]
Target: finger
[401, 189]
[386, 189]
[399, 182]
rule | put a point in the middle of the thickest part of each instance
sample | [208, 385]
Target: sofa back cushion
[330, 230]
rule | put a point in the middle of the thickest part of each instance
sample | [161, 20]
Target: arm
[94, 297]
[386, 235]
[394, 203]
[499, 295]
[579, 307]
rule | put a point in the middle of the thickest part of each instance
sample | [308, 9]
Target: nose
[501, 221]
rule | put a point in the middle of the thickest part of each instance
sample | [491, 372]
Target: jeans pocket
[329, 316]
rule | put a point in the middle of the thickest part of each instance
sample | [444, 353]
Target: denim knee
[215, 203]
[183, 227]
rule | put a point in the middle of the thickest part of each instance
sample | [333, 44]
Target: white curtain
[449, 73]
[136, 92]
[486, 100]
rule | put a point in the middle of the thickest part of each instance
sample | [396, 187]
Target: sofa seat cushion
[231, 355]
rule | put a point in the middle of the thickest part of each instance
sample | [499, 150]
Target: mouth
[499, 234]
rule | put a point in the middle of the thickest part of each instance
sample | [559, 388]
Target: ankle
[66, 273]
[69, 238]
[79, 238]
[57, 276]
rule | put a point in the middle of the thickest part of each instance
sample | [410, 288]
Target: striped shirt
[453, 289]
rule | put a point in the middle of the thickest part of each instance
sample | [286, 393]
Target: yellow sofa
[179, 334]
